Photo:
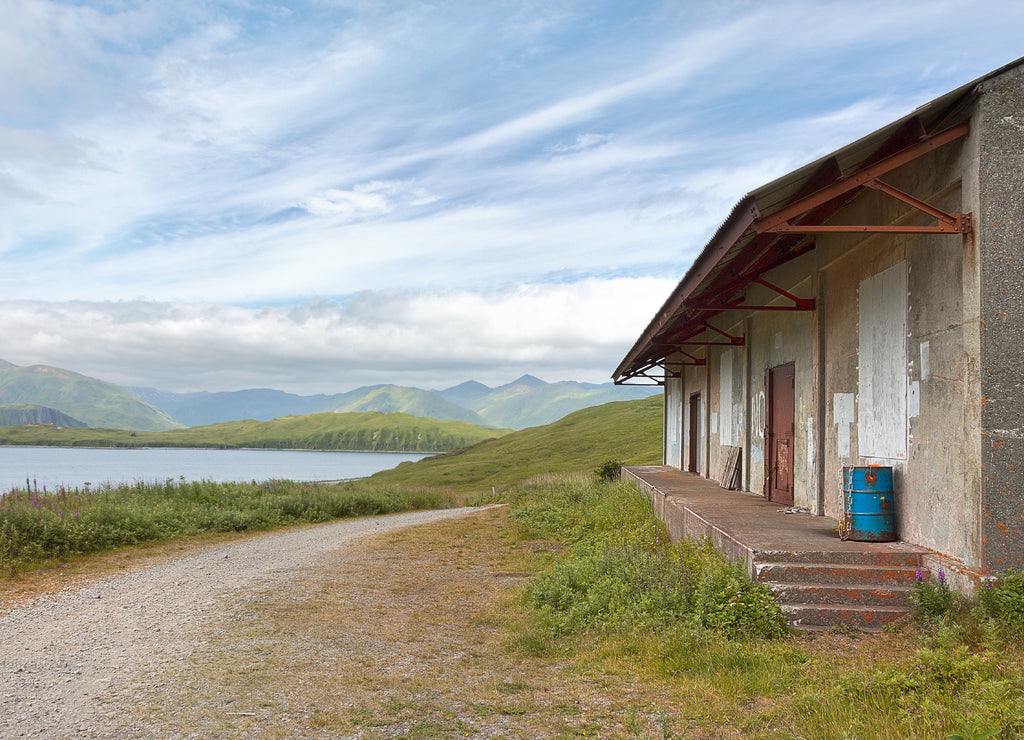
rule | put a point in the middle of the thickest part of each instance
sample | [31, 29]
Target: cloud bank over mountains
[427, 339]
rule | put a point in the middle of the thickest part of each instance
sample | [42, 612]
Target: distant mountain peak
[5, 365]
[469, 385]
[528, 380]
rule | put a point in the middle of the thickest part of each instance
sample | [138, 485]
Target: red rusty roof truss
[769, 241]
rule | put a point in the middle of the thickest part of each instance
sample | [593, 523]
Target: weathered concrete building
[868, 309]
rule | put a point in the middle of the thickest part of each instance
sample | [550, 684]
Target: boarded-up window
[882, 365]
[673, 421]
[725, 398]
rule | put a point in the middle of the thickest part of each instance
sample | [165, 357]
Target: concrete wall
[999, 128]
[913, 358]
[902, 297]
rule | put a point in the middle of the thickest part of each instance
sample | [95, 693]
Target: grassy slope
[527, 405]
[19, 414]
[393, 398]
[328, 431]
[91, 401]
[628, 431]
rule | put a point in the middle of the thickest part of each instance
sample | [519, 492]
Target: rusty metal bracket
[645, 373]
[799, 304]
[957, 223]
[733, 341]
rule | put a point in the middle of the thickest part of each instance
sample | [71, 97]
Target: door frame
[772, 377]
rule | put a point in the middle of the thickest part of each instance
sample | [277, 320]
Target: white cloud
[577, 331]
[365, 201]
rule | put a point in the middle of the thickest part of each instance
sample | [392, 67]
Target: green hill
[529, 401]
[92, 402]
[370, 431]
[628, 431]
[20, 414]
[394, 398]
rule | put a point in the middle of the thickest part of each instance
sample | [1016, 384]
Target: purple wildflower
[919, 576]
[941, 578]
[988, 585]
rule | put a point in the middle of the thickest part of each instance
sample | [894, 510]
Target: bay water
[74, 467]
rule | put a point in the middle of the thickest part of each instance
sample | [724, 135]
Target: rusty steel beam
[803, 304]
[963, 226]
[738, 341]
[772, 224]
[941, 216]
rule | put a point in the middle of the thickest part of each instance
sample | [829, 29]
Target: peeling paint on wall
[882, 365]
[810, 441]
[913, 400]
[843, 417]
[725, 397]
[757, 416]
[925, 352]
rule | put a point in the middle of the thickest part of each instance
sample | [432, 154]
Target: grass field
[566, 614]
[626, 431]
[454, 630]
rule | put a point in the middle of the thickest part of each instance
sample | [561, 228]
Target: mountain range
[523, 403]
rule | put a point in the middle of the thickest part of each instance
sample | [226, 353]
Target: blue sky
[317, 196]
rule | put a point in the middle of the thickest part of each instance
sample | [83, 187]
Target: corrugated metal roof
[730, 249]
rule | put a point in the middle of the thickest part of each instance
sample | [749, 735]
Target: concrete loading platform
[818, 579]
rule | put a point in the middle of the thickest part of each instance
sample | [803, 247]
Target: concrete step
[818, 616]
[890, 557]
[831, 593]
[844, 574]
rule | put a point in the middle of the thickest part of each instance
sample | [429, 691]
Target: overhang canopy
[777, 222]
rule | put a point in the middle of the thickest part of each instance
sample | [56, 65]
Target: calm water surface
[74, 466]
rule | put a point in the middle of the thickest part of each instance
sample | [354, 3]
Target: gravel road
[64, 655]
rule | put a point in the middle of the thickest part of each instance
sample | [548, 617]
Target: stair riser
[837, 574]
[831, 594]
[811, 616]
[884, 559]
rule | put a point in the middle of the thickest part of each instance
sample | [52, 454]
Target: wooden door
[694, 446]
[781, 411]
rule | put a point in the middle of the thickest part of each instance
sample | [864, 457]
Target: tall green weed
[620, 573]
[39, 525]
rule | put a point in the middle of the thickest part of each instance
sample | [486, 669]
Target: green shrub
[621, 589]
[620, 573]
[615, 589]
[609, 470]
[1002, 599]
[932, 599]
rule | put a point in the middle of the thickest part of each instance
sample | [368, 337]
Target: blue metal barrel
[869, 504]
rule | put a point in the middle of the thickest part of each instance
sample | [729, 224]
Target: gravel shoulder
[66, 657]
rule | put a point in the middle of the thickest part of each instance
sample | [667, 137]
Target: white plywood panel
[725, 398]
[882, 365]
[674, 422]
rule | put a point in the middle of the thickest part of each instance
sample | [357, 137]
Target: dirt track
[63, 656]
